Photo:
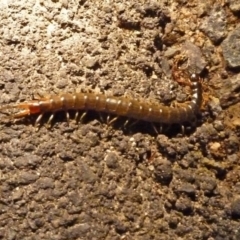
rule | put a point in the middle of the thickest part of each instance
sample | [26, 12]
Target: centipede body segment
[121, 106]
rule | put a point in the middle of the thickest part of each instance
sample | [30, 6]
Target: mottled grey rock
[17, 194]
[206, 184]
[77, 230]
[187, 189]
[90, 62]
[196, 62]
[229, 92]
[235, 208]
[171, 51]
[231, 48]
[234, 5]
[163, 171]
[214, 26]
[184, 205]
[45, 182]
[27, 160]
[112, 160]
[28, 177]
[88, 175]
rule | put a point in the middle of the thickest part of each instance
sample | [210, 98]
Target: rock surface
[94, 180]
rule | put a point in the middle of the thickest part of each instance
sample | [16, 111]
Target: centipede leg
[161, 128]
[67, 116]
[82, 116]
[111, 121]
[167, 128]
[101, 118]
[126, 123]
[49, 122]
[108, 119]
[183, 130]
[76, 117]
[134, 123]
[154, 128]
[194, 122]
[38, 120]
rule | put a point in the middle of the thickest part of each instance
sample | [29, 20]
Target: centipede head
[21, 110]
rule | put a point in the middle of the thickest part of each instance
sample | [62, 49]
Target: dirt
[92, 180]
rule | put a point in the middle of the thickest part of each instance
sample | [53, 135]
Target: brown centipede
[119, 106]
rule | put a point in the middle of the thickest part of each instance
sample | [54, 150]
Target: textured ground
[94, 181]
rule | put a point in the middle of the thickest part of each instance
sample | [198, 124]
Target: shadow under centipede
[134, 126]
[156, 128]
[128, 126]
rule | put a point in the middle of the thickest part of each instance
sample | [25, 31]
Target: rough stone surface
[196, 61]
[234, 5]
[231, 48]
[95, 180]
[235, 208]
[214, 26]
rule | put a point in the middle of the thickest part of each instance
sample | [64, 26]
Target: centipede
[144, 110]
